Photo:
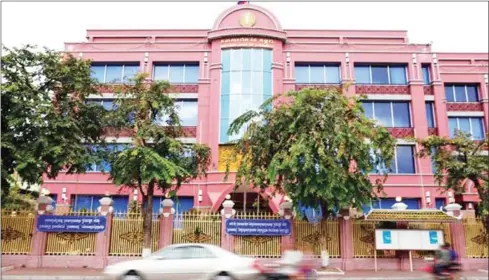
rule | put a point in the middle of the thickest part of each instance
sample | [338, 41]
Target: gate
[127, 234]
[17, 229]
[197, 228]
[257, 246]
[318, 237]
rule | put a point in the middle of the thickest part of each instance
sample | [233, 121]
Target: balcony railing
[382, 89]
[469, 106]
[401, 132]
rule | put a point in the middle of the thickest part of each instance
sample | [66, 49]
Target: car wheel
[222, 276]
[131, 275]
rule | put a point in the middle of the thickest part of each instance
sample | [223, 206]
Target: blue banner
[71, 223]
[387, 237]
[258, 227]
[433, 237]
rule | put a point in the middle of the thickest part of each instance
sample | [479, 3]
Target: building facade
[246, 57]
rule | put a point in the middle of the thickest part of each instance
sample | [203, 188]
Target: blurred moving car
[187, 261]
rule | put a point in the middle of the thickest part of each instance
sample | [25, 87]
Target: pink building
[246, 57]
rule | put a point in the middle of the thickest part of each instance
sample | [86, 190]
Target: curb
[47, 277]
[7, 268]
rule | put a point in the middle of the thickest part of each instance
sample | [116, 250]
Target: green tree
[459, 159]
[45, 120]
[317, 147]
[156, 158]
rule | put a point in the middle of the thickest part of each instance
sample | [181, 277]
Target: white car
[187, 261]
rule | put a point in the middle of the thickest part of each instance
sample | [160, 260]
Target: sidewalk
[94, 274]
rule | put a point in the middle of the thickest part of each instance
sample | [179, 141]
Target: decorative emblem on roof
[247, 20]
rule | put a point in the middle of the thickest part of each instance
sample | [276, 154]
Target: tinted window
[383, 113]
[460, 94]
[430, 114]
[379, 75]
[477, 128]
[405, 159]
[98, 73]
[426, 74]
[362, 74]
[401, 114]
[472, 94]
[449, 94]
[397, 75]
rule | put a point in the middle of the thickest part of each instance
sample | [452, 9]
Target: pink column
[440, 109]
[485, 101]
[166, 223]
[458, 240]
[102, 240]
[39, 239]
[346, 242]
[287, 241]
[227, 240]
[420, 124]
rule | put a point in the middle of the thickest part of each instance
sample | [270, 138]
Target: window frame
[396, 162]
[174, 64]
[391, 106]
[454, 95]
[470, 125]
[429, 77]
[388, 66]
[107, 64]
[325, 76]
[432, 106]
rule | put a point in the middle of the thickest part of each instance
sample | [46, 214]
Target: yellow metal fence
[257, 246]
[318, 237]
[127, 235]
[364, 241]
[476, 240]
[76, 243]
[197, 228]
[17, 229]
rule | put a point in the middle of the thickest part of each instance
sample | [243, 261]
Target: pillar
[167, 213]
[39, 239]
[287, 241]
[103, 238]
[227, 240]
[485, 101]
[346, 241]
[457, 232]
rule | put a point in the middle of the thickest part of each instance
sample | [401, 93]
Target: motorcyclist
[443, 260]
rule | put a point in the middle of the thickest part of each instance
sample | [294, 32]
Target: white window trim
[465, 114]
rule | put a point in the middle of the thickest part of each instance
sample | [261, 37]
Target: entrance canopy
[394, 215]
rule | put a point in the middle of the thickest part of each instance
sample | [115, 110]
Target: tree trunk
[148, 221]
[483, 195]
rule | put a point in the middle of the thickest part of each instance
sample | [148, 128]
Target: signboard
[258, 227]
[388, 239]
[71, 223]
[247, 42]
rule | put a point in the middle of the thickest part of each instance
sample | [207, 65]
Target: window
[388, 114]
[104, 166]
[471, 125]
[114, 73]
[461, 93]
[430, 114]
[404, 160]
[425, 69]
[440, 203]
[182, 204]
[387, 203]
[107, 103]
[85, 202]
[317, 74]
[246, 82]
[120, 203]
[381, 74]
[187, 112]
[177, 73]
[402, 163]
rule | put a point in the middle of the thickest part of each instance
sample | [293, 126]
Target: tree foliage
[457, 160]
[318, 148]
[44, 116]
[156, 158]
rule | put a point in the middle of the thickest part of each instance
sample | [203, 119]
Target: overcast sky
[452, 27]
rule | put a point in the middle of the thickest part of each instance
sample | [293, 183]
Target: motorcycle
[292, 266]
